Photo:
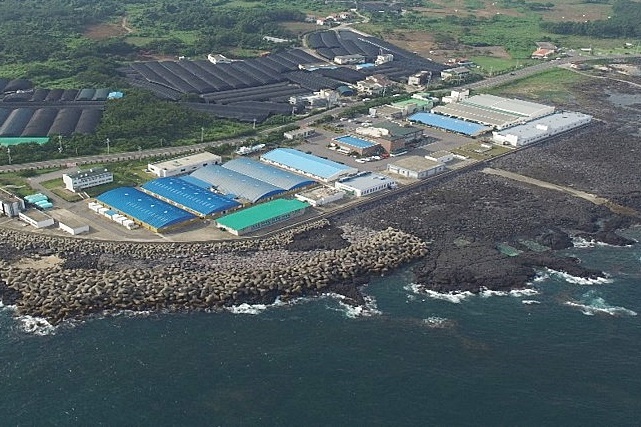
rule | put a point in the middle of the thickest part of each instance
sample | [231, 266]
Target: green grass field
[554, 86]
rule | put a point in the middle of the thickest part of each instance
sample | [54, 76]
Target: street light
[107, 142]
[9, 154]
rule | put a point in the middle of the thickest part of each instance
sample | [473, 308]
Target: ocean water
[566, 352]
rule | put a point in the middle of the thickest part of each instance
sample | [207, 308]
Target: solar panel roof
[267, 173]
[191, 196]
[308, 163]
[447, 123]
[144, 208]
[231, 182]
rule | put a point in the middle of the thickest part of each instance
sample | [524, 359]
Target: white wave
[7, 307]
[517, 293]
[540, 277]
[599, 306]
[530, 301]
[35, 325]
[352, 311]
[580, 242]
[368, 309]
[437, 322]
[453, 297]
[245, 308]
[579, 280]
[486, 293]
[525, 292]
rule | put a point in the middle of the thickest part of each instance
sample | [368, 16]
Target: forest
[625, 21]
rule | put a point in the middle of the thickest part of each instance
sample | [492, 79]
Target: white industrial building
[10, 205]
[349, 59]
[299, 133]
[68, 222]
[415, 167]
[440, 156]
[320, 196]
[184, 165]
[541, 128]
[494, 111]
[365, 183]
[82, 179]
[36, 218]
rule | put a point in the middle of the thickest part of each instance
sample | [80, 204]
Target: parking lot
[433, 140]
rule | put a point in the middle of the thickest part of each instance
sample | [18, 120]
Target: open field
[551, 87]
[104, 31]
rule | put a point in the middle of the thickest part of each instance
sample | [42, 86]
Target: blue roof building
[448, 123]
[268, 173]
[188, 196]
[141, 207]
[307, 164]
[227, 181]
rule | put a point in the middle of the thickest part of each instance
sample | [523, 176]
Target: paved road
[173, 151]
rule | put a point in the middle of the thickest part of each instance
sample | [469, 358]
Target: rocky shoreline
[470, 233]
[169, 277]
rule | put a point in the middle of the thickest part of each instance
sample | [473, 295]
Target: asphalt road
[173, 151]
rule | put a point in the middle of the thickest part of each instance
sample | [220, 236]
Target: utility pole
[9, 154]
[161, 142]
[60, 143]
[254, 123]
[108, 147]
[202, 134]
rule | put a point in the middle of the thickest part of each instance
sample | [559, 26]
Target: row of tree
[625, 21]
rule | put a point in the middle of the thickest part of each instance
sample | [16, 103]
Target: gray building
[415, 167]
[10, 205]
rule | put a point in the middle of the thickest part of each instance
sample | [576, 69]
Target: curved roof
[231, 182]
[191, 196]
[267, 173]
[144, 208]
[307, 163]
[448, 123]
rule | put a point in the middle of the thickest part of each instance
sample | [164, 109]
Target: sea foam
[35, 325]
[592, 303]
[351, 311]
[579, 280]
[246, 308]
[453, 297]
[600, 307]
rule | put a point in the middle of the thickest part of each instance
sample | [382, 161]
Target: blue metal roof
[355, 142]
[195, 181]
[191, 196]
[267, 173]
[448, 123]
[231, 182]
[144, 208]
[308, 163]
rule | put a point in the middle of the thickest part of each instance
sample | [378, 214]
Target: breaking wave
[246, 308]
[579, 280]
[351, 311]
[591, 304]
[453, 297]
[35, 325]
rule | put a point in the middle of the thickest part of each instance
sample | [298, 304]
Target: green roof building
[260, 216]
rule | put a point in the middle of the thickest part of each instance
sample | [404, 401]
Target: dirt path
[592, 198]
[124, 26]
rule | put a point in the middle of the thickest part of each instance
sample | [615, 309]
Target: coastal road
[592, 198]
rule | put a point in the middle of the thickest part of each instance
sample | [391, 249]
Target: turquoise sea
[568, 355]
